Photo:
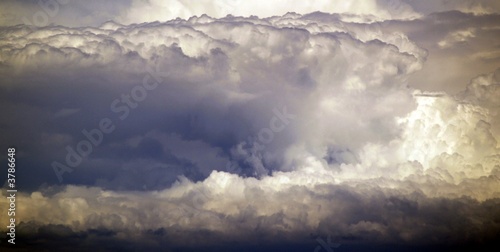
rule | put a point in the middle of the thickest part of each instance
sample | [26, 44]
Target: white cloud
[363, 151]
[360, 10]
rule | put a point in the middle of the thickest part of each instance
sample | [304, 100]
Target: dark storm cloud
[352, 216]
[210, 95]
[260, 130]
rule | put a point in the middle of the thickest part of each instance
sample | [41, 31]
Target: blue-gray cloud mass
[373, 125]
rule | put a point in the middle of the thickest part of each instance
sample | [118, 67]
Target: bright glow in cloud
[161, 11]
[360, 154]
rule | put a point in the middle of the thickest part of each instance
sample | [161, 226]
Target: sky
[251, 125]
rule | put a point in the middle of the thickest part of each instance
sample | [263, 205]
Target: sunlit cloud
[275, 129]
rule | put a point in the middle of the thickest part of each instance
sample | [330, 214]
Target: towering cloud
[239, 131]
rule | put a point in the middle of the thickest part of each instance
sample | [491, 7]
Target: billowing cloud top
[255, 130]
[92, 12]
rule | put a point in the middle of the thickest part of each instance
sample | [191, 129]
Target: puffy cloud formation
[259, 131]
[138, 11]
[355, 10]
[78, 13]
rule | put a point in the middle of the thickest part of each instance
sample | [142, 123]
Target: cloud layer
[275, 131]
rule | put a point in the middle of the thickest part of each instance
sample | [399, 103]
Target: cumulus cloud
[260, 130]
[93, 13]
[230, 208]
[356, 10]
